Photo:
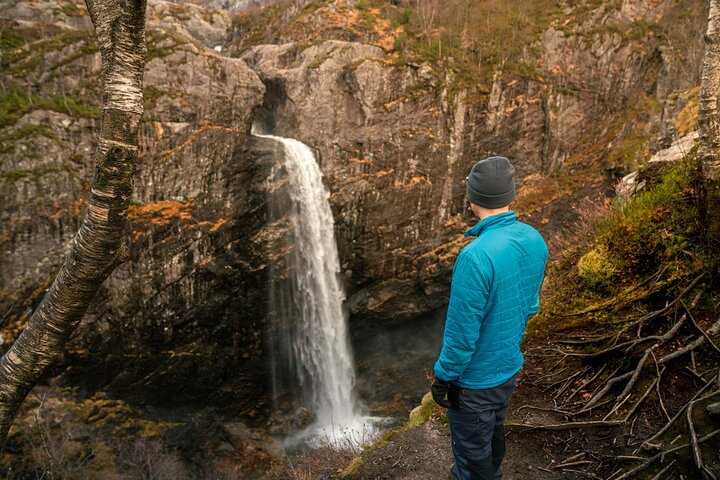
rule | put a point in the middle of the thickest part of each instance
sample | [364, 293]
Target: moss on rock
[596, 269]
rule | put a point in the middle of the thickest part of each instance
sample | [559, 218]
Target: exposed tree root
[684, 331]
[661, 456]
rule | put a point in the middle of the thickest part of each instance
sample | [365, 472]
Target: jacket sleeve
[468, 296]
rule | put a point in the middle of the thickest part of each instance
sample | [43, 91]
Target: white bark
[708, 120]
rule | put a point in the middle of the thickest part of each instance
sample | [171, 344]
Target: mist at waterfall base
[310, 351]
[394, 365]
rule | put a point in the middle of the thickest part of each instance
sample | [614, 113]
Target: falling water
[310, 325]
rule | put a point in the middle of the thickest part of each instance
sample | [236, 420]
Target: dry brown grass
[331, 456]
[566, 243]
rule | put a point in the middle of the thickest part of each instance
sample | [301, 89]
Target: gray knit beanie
[490, 183]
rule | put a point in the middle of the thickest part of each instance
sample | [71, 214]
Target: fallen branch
[605, 306]
[705, 334]
[667, 307]
[642, 320]
[662, 455]
[644, 396]
[661, 472]
[572, 464]
[633, 379]
[585, 384]
[651, 338]
[566, 426]
[713, 330]
[648, 442]
[544, 409]
[697, 454]
[657, 386]
[605, 389]
[565, 380]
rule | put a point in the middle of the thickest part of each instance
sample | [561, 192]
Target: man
[495, 286]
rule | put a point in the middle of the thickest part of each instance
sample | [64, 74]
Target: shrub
[150, 459]
[657, 227]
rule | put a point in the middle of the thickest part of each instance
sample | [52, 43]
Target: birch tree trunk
[709, 122]
[98, 247]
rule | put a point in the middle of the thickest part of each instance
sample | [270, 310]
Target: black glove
[440, 389]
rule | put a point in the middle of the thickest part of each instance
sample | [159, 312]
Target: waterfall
[310, 346]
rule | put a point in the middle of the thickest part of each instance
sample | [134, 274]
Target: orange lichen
[164, 212]
[363, 161]
[161, 213]
[217, 225]
[74, 210]
[392, 103]
[412, 181]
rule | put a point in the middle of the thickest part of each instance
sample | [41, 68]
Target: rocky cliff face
[189, 306]
[395, 138]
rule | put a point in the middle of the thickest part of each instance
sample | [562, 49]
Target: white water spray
[310, 323]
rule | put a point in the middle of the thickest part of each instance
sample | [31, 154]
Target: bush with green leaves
[658, 227]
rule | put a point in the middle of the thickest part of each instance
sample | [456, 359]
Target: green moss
[15, 102]
[72, 10]
[315, 5]
[474, 53]
[403, 17]
[18, 61]
[320, 60]
[15, 175]
[151, 94]
[418, 416]
[681, 18]
[255, 26]
[87, 47]
[628, 32]
[14, 39]
[423, 412]
[597, 270]
[25, 131]
[657, 227]
[161, 43]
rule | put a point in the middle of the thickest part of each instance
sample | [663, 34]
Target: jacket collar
[494, 221]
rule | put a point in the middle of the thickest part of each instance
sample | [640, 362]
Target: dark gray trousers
[476, 426]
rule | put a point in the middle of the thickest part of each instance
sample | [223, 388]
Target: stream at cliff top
[310, 350]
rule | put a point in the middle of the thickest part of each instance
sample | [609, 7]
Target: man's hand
[440, 389]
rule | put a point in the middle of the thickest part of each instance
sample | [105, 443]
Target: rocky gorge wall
[185, 315]
[395, 138]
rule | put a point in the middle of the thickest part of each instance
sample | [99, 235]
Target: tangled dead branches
[587, 396]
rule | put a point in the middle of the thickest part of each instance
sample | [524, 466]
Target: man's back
[515, 254]
[495, 289]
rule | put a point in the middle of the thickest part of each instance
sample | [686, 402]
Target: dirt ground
[424, 452]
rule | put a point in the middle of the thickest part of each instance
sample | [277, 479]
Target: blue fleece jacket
[495, 285]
